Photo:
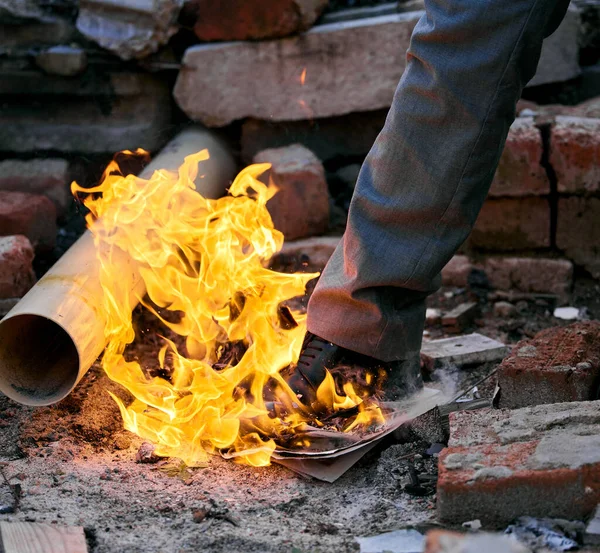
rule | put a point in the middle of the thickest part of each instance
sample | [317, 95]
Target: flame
[205, 261]
[303, 76]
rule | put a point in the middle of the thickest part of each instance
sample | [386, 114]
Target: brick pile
[539, 455]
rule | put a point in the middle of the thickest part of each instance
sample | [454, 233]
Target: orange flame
[303, 77]
[205, 260]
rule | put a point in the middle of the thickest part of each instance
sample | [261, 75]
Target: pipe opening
[39, 362]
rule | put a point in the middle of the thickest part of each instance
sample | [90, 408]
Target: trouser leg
[424, 181]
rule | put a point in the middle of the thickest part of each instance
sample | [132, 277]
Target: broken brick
[249, 20]
[512, 224]
[575, 154]
[538, 461]
[461, 317]
[557, 365]
[300, 208]
[519, 171]
[16, 272]
[48, 177]
[31, 215]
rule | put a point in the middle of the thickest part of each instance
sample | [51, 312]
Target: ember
[204, 261]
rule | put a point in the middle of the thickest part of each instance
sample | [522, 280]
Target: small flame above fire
[204, 261]
[303, 77]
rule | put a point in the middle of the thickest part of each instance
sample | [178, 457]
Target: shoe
[388, 381]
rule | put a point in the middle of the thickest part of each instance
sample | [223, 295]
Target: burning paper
[219, 385]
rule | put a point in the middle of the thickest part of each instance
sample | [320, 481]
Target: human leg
[424, 181]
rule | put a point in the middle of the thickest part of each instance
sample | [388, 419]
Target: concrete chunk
[220, 83]
[82, 124]
[537, 461]
[462, 350]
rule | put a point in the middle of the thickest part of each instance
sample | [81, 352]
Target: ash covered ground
[75, 465]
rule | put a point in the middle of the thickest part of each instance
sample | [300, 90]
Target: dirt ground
[75, 465]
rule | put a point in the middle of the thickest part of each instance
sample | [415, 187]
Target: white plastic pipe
[50, 339]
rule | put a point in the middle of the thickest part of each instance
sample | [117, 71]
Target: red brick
[557, 365]
[575, 154]
[519, 172]
[301, 206]
[16, 273]
[512, 224]
[249, 19]
[48, 177]
[539, 461]
[525, 274]
[29, 214]
[578, 231]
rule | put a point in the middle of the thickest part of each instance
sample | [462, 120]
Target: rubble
[300, 208]
[520, 172]
[504, 309]
[352, 134]
[250, 20]
[42, 31]
[66, 61]
[124, 111]
[530, 274]
[552, 534]
[29, 214]
[19, 11]
[460, 318]
[16, 272]
[512, 224]
[129, 29]
[263, 79]
[578, 217]
[48, 177]
[433, 316]
[443, 541]
[539, 461]
[461, 350]
[557, 365]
